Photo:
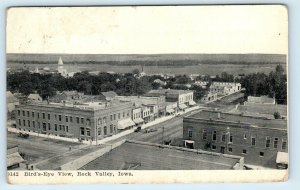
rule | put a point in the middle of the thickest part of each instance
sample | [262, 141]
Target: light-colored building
[60, 68]
[203, 84]
[225, 88]
[11, 101]
[67, 96]
[209, 97]
[13, 157]
[34, 98]
[183, 97]
[108, 96]
[260, 100]
[86, 121]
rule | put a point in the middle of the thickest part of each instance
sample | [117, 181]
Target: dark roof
[148, 157]
[238, 118]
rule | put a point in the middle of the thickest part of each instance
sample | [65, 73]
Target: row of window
[244, 151]
[253, 139]
[87, 131]
[56, 117]
[113, 117]
[46, 126]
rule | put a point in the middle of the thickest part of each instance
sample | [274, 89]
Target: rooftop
[261, 100]
[169, 91]
[238, 118]
[146, 156]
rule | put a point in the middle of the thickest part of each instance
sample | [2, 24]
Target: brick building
[257, 139]
[87, 121]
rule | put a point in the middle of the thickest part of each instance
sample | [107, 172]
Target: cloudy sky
[148, 30]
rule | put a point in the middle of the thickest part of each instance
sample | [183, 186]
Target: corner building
[86, 121]
[258, 140]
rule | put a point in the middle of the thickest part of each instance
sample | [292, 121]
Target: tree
[135, 72]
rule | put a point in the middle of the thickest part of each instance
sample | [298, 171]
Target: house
[260, 100]
[13, 157]
[158, 81]
[11, 101]
[108, 96]
[34, 98]
[67, 96]
[209, 97]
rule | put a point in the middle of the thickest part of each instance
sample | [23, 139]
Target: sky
[148, 30]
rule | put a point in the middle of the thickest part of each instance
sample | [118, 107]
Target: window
[114, 116]
[223, 138]
[88, 122]
[204, 135]
[190, 132]
[245, 135]
[39, 124]
[67, 119]
[55, 116]
[59, 117]
[77, 119]
[71, 119]
[81, 131]
[48, 116]
[268, 142]
[244, 151]
[33, 124]
[24, 123]
[111, 117]
[60, 127]
[88, 132]
[111, 128]
[119, 115]
[55, 127]
[229, 149]
[43, 115]
[38, 114]
[230, 138]
[253, 141]
[99, 131]
[28, 123]
[23, 113]
[63, 127]
[275, 142]
[261, 154]
[99, 121]
[49, 126]
[127, 113]
[105, 130]
[27, 113]
[82, 120]
[123, 114]
[19, 121]
[104, 120]
[214, 136]
[32, 114]
[283, 146]
[67, 128]
[213, 147]
[19, 112]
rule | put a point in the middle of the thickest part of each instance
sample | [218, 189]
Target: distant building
[209, 97]
[60, 69]
[225, 88]
[11, 101]
[260, 100]
[13, 157]
[203, 84]
[158, 81]
[110, 95]
[183, 97]
[67, 96]
[34, 98]
[258, 140]
[88, 121]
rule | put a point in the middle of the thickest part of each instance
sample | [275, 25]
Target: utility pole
[163, 130]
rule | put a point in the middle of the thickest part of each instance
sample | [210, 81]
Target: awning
[13, 159]
[192, 103]
[138, 120]
[125, 123]
[170, 110]
[282, 158]
[189, 141]
[182, 106]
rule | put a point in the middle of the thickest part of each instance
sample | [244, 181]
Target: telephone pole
[162, 138]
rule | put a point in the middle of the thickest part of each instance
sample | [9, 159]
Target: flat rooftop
[169, 91]
[238, 118]
[131, 155]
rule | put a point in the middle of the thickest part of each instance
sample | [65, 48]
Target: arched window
[99, 121]
[105, 130]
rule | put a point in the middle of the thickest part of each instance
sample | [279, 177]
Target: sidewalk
[105, 140]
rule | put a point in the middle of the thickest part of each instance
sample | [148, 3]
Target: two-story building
[88, 121]
[258, 140]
